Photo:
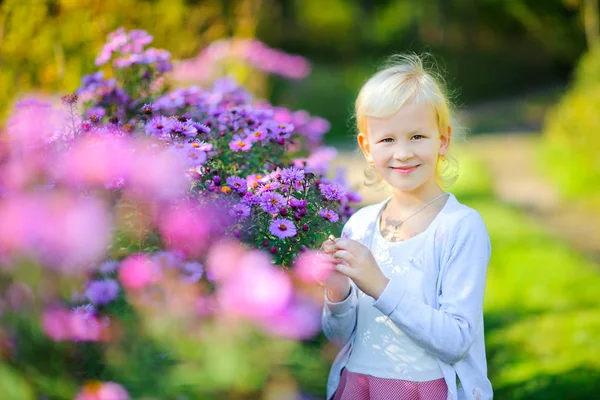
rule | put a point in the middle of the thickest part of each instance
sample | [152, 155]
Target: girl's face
[404, 148]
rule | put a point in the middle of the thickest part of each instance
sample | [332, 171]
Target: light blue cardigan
[449, 324]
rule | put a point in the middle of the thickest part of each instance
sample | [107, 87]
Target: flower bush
[157, 241]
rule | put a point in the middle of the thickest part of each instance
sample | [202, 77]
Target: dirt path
[511, 159]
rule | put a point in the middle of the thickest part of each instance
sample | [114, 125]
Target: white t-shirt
[380, 348]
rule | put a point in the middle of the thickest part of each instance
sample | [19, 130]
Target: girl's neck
[403, 200]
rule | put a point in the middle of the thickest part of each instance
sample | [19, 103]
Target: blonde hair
[402, 78]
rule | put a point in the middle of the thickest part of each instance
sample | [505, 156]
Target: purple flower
[238, 184]
[250, 199]
[108, 267]
[292, 175]
[102, 291]
[333, 191]
[272, 202]
[240, 211]
[283, 228]
[185, 128]
[329, 215]
[295, 203]
[268, 186]
[168, 259]
[258, 135]
[159, 126]
[99, 112]
[192, 271]
[202, 128]
[87, 309]
[354, 197]
[282, 130]
[238, 144]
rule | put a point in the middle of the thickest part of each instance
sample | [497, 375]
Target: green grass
[542, 313]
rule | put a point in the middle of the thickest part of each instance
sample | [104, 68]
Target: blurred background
[525, 77]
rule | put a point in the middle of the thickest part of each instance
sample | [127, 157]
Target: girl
[406, 298]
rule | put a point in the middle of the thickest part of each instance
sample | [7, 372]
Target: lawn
[542, 315]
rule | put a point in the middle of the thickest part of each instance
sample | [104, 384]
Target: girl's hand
[337, 285]
[360, 266]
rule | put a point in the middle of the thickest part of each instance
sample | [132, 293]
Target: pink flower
[102, 391]
[95, 160]
[300, 320]
[56, 229]
[186, 228]
[56, 324]
[158, 174]
[313, 266]
[138, 271]
[85, 325]
[257, 289]
[223, 260]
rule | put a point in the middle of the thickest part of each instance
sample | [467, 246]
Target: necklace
[396, 224]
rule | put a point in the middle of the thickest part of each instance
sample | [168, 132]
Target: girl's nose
[403, 154]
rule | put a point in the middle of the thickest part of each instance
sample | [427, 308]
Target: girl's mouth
[405, 170]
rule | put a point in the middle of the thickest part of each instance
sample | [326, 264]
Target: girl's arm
[339, 319]
[447, 332]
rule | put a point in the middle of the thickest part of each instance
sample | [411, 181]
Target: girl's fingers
[344, 255]
[344, 269]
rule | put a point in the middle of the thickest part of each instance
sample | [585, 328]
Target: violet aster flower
[268, 186]
[238, 184]
[168, 259]
[238, 144]
[250, 199]
[258, 135]
[283, 228]
[192, 271]
[101, 292]
[296, 203]
[329, 215]
[159, 126]
[240, 211]
[108, 267]
[282, 130]
[202, 128]
[333, 191]
[291, 175]
[185, 127]
[272, 202]
[99, 112]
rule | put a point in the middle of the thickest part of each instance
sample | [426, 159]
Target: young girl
[406, 298]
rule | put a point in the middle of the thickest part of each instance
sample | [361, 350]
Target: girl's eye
[387, 140]
[418, 137]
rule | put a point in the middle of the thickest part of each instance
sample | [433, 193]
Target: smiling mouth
[406, 170]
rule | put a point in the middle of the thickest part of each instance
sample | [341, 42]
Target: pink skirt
[355, 386]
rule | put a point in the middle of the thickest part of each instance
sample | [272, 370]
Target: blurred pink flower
[159, 174]
[313, 266]
[300, 320]
[95, 160]
[34, 124]
[102, 391]
[58, 230]
[56, 324]
[85, 326]
[186, 228]
[138, 271]
[257, 289]
[223, 260]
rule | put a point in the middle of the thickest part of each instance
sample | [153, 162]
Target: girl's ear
[363, 143]
[445, 141]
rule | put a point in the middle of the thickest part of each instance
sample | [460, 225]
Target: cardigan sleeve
[339, 319]
[447, 332]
